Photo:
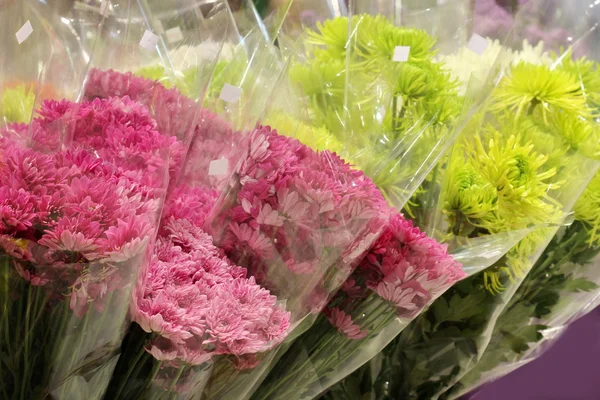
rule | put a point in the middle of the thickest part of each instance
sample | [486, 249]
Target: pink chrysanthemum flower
[407, 268]
[296, 210]
[344, 324]
[81, 217]
[198, 302]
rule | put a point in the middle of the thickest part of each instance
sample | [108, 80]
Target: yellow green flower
[16, 104]
[587, 209]
[529, 87]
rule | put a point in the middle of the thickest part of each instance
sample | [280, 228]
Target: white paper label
[149, 40]
[477, 44]
[23, 33]
[174, 35]
[230, 93]
[401, 53]
[218, 167]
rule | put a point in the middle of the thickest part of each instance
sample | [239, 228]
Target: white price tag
[401, 53]
[477, 44]
[174, 35]
[149, 40]
[230, 93]
[218, 167]
[23, 33]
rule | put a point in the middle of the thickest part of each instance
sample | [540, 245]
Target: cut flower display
[75, 228]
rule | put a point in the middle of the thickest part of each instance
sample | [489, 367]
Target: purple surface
[570, 370]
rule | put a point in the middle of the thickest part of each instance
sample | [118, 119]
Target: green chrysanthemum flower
[519, 175]
[528, 87]
[467, 193]
[585, 72]
[587, 209]
[577, 133]
[16, 104]
[186, 82]
[318, 138]
[326, 78]
[377, 39]
[332, 34]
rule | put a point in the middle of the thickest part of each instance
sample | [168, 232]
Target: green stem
[394, 111]
[153, 374]
[179, 372]
[132, 366]
[62, 326]
[25, 378]
[334, 346]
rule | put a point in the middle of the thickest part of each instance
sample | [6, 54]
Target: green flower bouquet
[507, 188]
[394, 119]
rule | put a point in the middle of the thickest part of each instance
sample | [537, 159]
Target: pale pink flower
[255, 239]
[403, 298]
[344, 324]
[268, 216]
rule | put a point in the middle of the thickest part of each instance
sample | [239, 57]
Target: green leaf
[580, 285]
[462, 308]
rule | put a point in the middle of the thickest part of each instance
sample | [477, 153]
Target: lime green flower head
[586, 73]
[587, 209]
[519, 174]
[186, 82]
[16, 104]
[528, 86]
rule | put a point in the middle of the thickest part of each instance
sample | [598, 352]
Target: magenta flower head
[176, 115]
[197, 302]
[116, 130]
[299, 220]
[407, 268]
[80, 220]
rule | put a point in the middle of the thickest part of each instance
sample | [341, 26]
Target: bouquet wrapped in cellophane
[303, 246]
[288, 223]
[195, 308]
[81, 190]
[378, 96]
[520, 168]
[563, 284]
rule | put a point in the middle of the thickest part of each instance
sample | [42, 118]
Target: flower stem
[132, 366]
[179, 372]
[153, 374]
[25, 377]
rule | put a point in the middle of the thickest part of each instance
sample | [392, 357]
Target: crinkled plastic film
[69, 270]
[371, 321]
[442, 352]
[199, 58]
[562, 284]
[310, 242]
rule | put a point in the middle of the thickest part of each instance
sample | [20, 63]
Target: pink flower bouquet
[80, 194]
[195, 306]
[403, 272]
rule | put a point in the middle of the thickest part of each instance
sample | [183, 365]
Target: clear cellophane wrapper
[446, 350]
[396, 137]
[562, 285]
[83, 196]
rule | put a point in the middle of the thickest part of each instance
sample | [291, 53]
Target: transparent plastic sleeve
[354, 94]
[81, 191]
[562, 284]
[206, 84]
[444, 350]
